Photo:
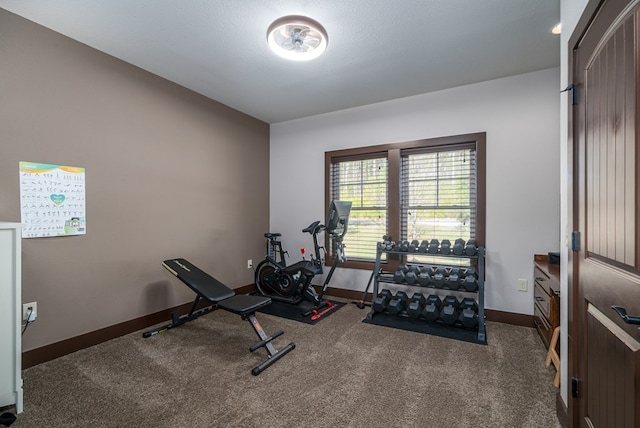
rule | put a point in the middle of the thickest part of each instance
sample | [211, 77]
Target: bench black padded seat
[244, 304]
[220, 296]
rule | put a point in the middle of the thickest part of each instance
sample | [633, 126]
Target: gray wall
[169, 173]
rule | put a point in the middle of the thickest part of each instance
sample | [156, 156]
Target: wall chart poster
[52, 200]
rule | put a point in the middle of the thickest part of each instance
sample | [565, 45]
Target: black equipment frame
[220, 296]
[292, 283]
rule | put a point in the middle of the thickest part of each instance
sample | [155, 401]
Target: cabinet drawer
[543, 327]
[542, 299]
[541, 278]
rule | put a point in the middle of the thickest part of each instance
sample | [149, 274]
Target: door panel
[610, 141]
[612, 354]
[606, 266]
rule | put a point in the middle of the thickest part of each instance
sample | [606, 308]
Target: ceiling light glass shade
[297, 38]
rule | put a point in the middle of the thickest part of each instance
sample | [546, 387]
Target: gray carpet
[343, 373]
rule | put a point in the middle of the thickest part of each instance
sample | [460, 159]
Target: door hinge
[575, 241]
[571, 88]
[575, 382]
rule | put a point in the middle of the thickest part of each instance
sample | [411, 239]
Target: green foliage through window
[438, 198]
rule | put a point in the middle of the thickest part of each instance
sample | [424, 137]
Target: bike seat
[312, 228]
[272, 235]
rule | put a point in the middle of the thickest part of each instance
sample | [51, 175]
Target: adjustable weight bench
[222, 297]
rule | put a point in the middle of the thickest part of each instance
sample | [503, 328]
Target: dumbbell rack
[478, 259]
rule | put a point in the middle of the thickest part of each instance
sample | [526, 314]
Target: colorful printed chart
[52, 200]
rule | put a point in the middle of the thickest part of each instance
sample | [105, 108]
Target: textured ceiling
[378, 49]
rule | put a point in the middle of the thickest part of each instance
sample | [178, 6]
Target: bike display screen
[338, 217]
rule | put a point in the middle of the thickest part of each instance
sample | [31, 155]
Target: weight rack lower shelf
[420, 326]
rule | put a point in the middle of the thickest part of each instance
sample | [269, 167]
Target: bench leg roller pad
[265, 341]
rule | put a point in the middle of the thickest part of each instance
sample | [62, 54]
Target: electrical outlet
[29, 311]
[523, 285]
[249, 264]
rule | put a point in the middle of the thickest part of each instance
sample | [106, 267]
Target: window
[417, 190]
[364, 183]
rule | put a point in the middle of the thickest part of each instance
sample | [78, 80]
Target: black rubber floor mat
[295, 312]
[418, 326]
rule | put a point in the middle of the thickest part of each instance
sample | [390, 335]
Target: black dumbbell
[387, 243]
[413, 246]
[445, 247]
[411, 277]
[433, 246]
[450, 300]
[400, 274]
[439, 277]
[381, 302]
[435, 300]
[422, 248]
[470, 281]
[469, 303]
[471, 248]
[469, 318]
[431, 311]
[453, 280]
[404, 246]
[458, 247]
[414, 310]
[398, 277]
[424, 278]
[468, 312]
[449, 312]
[398, 303]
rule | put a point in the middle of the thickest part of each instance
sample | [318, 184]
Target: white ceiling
[378, 49]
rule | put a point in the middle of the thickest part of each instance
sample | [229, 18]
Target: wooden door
[605, 349]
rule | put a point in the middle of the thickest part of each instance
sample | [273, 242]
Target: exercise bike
[292, 283]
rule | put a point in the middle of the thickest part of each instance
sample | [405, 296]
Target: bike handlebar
[314, 228]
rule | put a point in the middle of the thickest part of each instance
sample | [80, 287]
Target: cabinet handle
[539, 299]
[539, 278]
[623, 314]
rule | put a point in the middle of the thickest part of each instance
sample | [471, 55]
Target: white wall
[521, 116]
[570, 12]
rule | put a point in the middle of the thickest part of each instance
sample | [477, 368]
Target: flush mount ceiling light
[297, 38]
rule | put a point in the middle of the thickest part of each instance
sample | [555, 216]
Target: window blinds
[438, 196]
[364, 183]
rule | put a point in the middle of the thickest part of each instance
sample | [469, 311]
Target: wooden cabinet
[546, 294]
[10, 316]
